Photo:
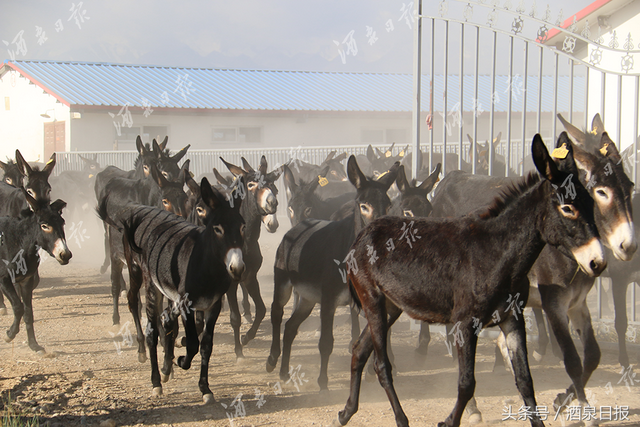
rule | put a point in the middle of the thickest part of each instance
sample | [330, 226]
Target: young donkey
[192, 266]
[306, 263]
[433, 273]
[40, 226]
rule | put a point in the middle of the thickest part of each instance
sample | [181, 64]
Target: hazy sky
[274, 35]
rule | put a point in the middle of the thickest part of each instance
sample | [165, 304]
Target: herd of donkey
[469, 255]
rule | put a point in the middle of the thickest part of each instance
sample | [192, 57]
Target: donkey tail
[355, 301]
[130, 227]
[102, 212]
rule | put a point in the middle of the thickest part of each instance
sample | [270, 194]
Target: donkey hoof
[537, 356]
[123, 294]
[475, 418]
[3, 311]
[271, 364]
[208, 398]
[324, 392]
[182, 363]
[241, 360]
[7, 338]
[103, 269]
[183, 341]
[165, 377]
[142, 357]
[284, 376]
[336, 422]
[156, 392]
[244, 340]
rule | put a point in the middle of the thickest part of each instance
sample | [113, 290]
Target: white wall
[22, 126]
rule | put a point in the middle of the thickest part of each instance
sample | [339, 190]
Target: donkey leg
[9, 289]
[552, 302]
[300, 312]
[133, 300]
[116, 286]
[619, 291]
[235, 319]
[152, 338]
[246, 305]
[355, 324]
[191, 337]
[325, 345]
[3, 307]
[281, 295]
[205, 351]
[253, 287]
[543, 337]
[107, 250]
[169, 323]
[423, 340]
[514, 331]
[27, 299]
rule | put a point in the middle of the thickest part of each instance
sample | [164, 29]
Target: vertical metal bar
[586, 100]
[433, 70]
[510, 96]
[474, 148]
[619, 124]
[445, 97]
[602, 99]
[524, 106]
[599, 297]
[554, 119]
[461, 127]
[572, 64]
[417, 79]
[539, 93]
[635, 131]
[493, 91]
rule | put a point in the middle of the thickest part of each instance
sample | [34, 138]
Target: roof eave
[10, 65]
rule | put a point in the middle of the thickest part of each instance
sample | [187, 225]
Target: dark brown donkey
[437, 272]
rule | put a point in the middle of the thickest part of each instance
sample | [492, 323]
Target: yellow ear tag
[594, 131]
[50, 160]
[604, 149]
[387, 154]
[381, 175]
[91, 175]
[322, 180]
[560, 152]
[401, 153]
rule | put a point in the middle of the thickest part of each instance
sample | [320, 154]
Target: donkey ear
[209, 194]
[401, 180]
[221, 179]
[163, 144]
[192, 185]
[370, 154]
[496, 140]
[340, 157]
[329, 156]
[156, 149]
[158, 177]
[33, 205]
[388, 178]
[543, 161]
[22, 164]
[184, 172]
[237, 171]
[289, 182]
[263, 166]
[246, 166]
[379, 153]
[48, 168]
[180, 154]
[576, 133]
[140, 146]
[597, 127]
[609, 148]
[354, 173]
[427, 184]
[3, 165]
[58, 205]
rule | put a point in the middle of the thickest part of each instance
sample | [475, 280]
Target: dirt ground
[86, 380]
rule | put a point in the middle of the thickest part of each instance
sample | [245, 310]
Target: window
[240, 134]
[127, 138]
[154, 132]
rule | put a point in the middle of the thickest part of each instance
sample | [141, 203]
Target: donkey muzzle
[61, 252]
[590, 257]
[623, 241]
[269, 202]
[234, 263]
[271, 223]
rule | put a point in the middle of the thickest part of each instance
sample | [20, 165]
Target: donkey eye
[218, 230]
[166, 175]
[31, 193]
[166, 203]
[334, 173]
[602, 193]
[290, 211]
[407, 212]
[200, 211]
[8, 181]
[252, 186]
[307, 212]
[45, 227]
[365, 209]
[242, 228]
[145, 168]
[567, 209]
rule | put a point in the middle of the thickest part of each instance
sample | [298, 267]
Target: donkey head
[224, 228]
[12, 173]
[372, 200]
[146, 158]
[602, 173]
[91, 165]
[51, 227]
[301, 197]
[168, 164]
[333, 164]
[37, 181]
[413, 200]
[173, 198]
[569, 222]
[261, 191]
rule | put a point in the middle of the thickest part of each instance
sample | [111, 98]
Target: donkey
[436, 276]
[153, 191]
[306, 264]
[76, 187]
[413, 200]
[192, 266]
[39, 226]
[260, 206]
[308, 172]
[13, 175]
[558, 286]
[303, 202]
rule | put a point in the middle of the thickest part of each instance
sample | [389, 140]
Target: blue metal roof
[101, 84]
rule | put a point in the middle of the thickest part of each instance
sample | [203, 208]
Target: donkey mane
[511, 193]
